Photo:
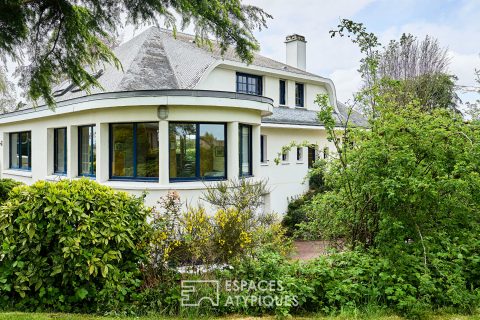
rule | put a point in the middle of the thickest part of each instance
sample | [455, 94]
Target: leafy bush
[236, 228]
[71, 246]
[296, 213]
[6, 185]
[357, 280]
[316, 176]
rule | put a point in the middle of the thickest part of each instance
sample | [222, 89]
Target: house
[177, 117]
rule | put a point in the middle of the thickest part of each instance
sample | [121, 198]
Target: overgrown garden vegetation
[403, 197]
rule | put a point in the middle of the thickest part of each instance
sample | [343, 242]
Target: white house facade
[177, 117]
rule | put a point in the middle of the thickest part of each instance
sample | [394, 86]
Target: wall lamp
[162, 112]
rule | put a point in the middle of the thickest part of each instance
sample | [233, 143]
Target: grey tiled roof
[355, 118]
[155, 60]
[300, 116]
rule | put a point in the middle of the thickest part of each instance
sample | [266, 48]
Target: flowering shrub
[231, 236]
[195, 237]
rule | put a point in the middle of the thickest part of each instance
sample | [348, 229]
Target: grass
[347, 316]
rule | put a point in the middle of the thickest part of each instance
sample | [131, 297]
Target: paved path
[308, 250]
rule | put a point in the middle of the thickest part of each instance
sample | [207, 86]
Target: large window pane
[197, 151]
[182, 150]
[25, 150]
[20, 148]
[87, 145]
[147, 150]
[212, 150]
[60, 150]
[122, 153]
[134, 152]
[14, 163]
[245, 149]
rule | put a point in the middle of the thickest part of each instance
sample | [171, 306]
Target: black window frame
[282, 99]
[55, 153]
[197, 153]
[312, 155]
[19, 153]
[263, 149]
[134, 147]
[93, 168]
[240, 150]
[299, 154]
[259, 89]
[299, 95]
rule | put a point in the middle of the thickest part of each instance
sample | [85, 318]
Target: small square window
[285, 156]
[249, 84]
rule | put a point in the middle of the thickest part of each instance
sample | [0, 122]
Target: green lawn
[61, 316]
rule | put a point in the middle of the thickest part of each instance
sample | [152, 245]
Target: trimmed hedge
[6, 185]
[70, 246]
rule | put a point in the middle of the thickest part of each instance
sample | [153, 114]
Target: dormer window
[249, 84]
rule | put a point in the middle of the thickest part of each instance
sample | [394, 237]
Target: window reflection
[197, 151]
[134, 150]
[212, 150]
[87, 142]
[245, 149]
[20, 144]
[147, 150]
[60, 150]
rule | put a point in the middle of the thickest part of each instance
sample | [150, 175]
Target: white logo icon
[192, 296]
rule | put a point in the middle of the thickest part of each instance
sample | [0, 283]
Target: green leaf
[81, 293]
[91, 269]
[105, 271]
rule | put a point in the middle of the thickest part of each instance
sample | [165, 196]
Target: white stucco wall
[288, 179]
[42, 144]
[224, 79]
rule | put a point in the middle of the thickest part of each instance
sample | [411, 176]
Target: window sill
[285, 163]
[300, 162]
[264, 164]
[56, 177]
[142, 185]
[19, 173]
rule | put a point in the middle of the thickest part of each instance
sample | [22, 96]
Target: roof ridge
[138, 48]
[168, 60]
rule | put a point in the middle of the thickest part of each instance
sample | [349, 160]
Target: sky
[455, 23]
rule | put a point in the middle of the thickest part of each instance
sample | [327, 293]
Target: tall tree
[53, 39]
[421, 67]
[473, 108]
[8, 98]
[409, 58]
[404, 70]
